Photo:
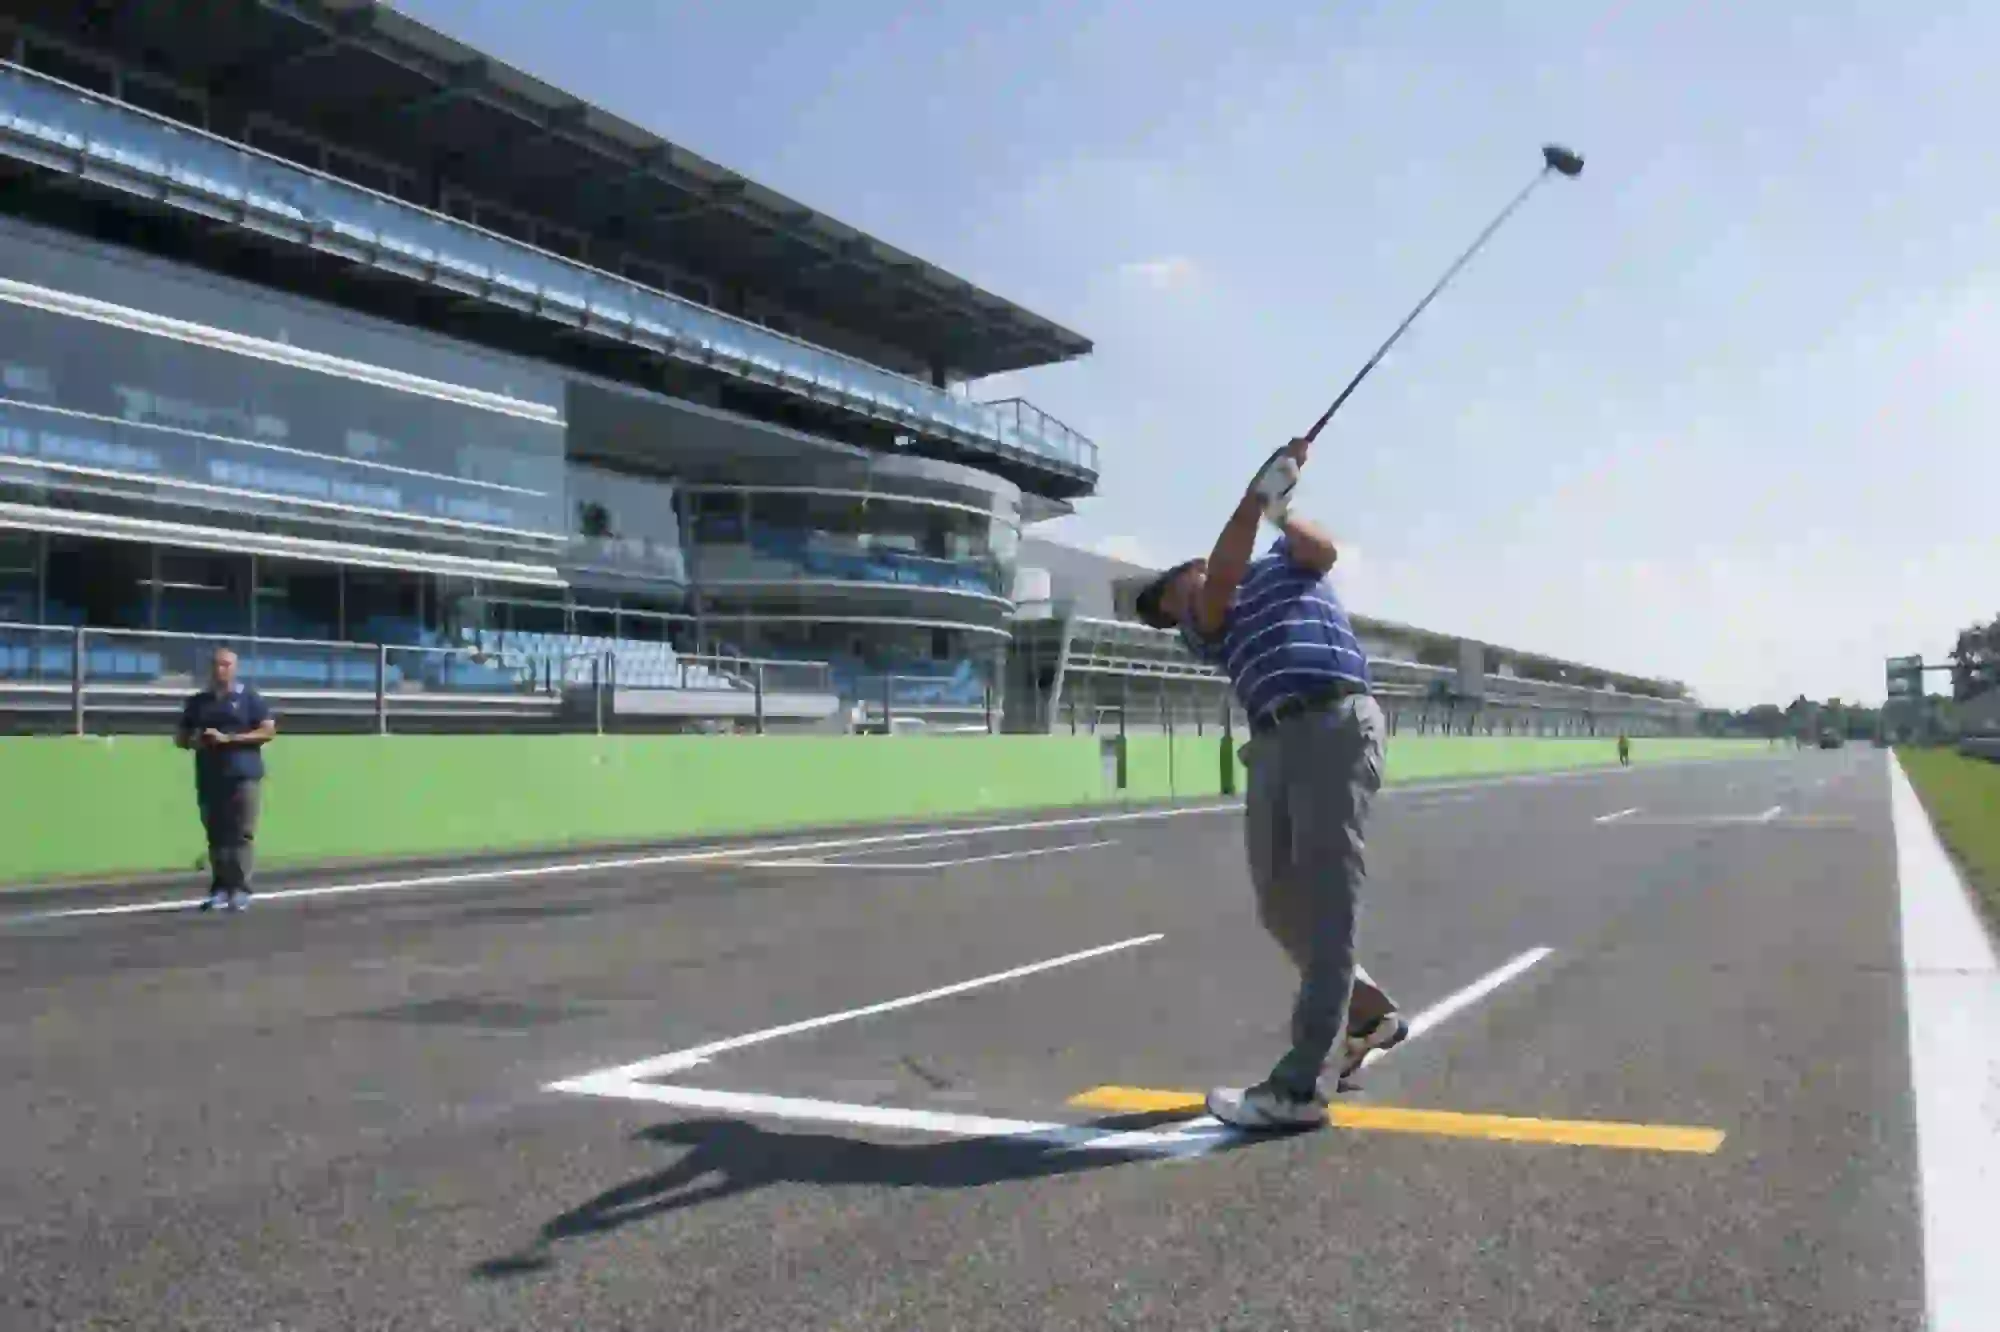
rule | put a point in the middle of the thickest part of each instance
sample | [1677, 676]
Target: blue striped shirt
[1285, 634]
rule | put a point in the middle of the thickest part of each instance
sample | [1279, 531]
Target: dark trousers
[229, 817]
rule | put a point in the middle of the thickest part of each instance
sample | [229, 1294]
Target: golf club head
[1559, 158]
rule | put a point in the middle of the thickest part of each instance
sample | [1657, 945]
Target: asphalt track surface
[344, 1110]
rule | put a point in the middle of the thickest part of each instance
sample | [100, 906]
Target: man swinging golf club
[1275, 626]
[1315, 752]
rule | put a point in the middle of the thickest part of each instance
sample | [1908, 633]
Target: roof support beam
[256, 72]
[464, 81]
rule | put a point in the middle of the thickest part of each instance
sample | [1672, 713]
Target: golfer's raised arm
[1226, 565]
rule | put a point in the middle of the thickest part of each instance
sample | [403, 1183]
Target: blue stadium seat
[102, 663]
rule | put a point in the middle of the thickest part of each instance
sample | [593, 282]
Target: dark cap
[1148, 604]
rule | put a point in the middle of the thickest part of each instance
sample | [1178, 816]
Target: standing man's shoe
[239, 899]
[1265, 1108]
[216, 898]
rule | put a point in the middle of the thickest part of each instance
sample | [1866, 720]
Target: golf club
[1555, 158]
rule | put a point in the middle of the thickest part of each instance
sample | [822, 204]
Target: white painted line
[927, 864]
[1183, 1139]
[742, 850]
[700, 1054]
[1764, 820]
[1770, 813]
[1613, 818]
[1952, 985]
[692, 856]
[1459, 1000]
[939, 839]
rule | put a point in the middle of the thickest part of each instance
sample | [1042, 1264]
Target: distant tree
[1766, 719]
[1975, 661]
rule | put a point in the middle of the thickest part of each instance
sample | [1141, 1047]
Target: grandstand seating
[635, 663]
[919, 682]
[488, 661]
[780, 554]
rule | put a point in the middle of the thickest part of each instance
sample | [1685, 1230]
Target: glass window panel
[138, 405]
[20, 577]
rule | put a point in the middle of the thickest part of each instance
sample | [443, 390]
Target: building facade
[1081, 661]
[318, 325]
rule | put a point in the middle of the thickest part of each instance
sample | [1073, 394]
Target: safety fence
[90, 680]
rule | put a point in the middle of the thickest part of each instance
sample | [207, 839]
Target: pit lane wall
[97, 807]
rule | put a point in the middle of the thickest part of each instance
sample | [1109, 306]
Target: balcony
[78, 133]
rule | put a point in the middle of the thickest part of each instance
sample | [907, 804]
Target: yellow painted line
[1440, 1123]
[1139, 1101]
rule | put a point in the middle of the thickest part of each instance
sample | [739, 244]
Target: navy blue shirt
[1285, 634]
[240, 709]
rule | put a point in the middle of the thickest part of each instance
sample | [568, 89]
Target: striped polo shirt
[1285, 635]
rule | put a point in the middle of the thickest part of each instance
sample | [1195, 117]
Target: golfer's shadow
[727, 1157]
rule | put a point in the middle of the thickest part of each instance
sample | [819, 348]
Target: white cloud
[1166, 274]
[1129, 549]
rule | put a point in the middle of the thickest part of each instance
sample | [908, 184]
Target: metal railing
[1982, 746]
[79, 670]
[891, 701]
[72, 673]
[722, 671]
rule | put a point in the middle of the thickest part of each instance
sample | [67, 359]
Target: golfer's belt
[1312, 700]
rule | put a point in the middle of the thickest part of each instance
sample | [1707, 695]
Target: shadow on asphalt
[728, 1157]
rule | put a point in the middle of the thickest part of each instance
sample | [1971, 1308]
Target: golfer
[1314, 759]
[227, 726]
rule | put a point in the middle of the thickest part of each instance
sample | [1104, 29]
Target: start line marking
[628, 1082]
[1441, 1123]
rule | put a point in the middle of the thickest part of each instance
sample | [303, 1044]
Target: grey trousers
[1311, 780]
[229, 817]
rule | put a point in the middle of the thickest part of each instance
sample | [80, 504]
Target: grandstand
[321, 326]
[1081, 662]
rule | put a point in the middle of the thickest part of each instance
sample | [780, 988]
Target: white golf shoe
[1265, 1108]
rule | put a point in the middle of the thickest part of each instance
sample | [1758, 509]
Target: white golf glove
[1274, 485]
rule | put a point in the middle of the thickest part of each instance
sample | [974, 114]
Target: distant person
[1624, 750]
[227, 726]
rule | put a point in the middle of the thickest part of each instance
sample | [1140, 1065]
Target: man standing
[1624, 750]
[227, 726]
[1314, 759]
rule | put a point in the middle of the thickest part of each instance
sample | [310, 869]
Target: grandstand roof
[365, 76]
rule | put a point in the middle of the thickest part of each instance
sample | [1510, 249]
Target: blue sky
[1721, 410]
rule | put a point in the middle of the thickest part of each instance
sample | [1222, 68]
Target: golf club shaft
[1442, 282]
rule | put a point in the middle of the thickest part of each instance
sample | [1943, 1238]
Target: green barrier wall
[96, 806]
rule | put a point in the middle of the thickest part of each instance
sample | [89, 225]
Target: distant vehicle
[1831, 740]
